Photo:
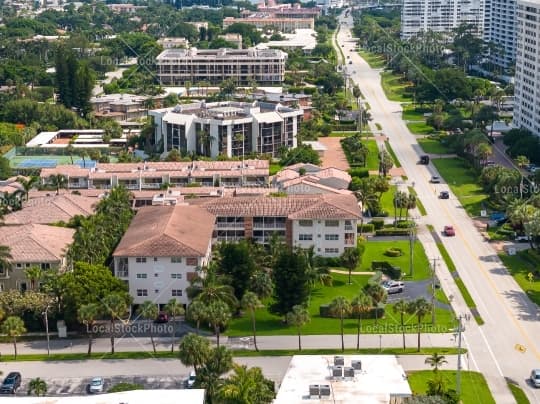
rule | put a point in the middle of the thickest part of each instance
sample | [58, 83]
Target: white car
[535, 377]
[191, 379]
[96, 385]
[393, 287]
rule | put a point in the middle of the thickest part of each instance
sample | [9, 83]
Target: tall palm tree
[58, 181]
[261, 284]
[317, 272]
[27, 184]
[218, 314]
[245, 386]
[13, 327]
[196, 312]
[350, 259]
[402, 308]
[115, 306]
[435, 361]
[360, 305]
[209, 289]
[251, 302]
[34, 274]
[5, 257]
[69, 150]
[174, 308]
[194, 351]
[149, 311]
[420, 308]
[88, 314]
[340, 307]
[298, 317]
[378, 295]
[37, 386]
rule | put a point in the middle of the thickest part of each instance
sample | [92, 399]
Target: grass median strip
[419, 204]
[392, 153]
[236, 352]
[518, 393]
[459, 283]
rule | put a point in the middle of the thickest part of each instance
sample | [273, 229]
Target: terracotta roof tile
[168, 231]
[36, 242]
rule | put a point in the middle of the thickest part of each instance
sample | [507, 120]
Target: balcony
[231, 225]
[348, 227]
[77, 185]
[268, 226]
[151, 185]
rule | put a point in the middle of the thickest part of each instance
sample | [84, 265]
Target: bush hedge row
[392, 232]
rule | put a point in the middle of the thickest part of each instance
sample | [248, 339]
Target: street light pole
[360, 117]
[45, 313]
[433, 290]
[412, 239]
[458, 373]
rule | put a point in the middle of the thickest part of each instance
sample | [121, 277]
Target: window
[177, 292]
[176, 260]
[142, 276]
[156, 291]
[142, 292]
[140, 260]
[305, 237]
[45, 265]
[1, 287]
[176, 276]
[155, 259]
[331, 223]
[191, 261]
[305, 223]
[19, 265]
[331, 237]
[331, 250]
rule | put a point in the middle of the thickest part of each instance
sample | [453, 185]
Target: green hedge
[392, 232]
[377, 223]
[366, 228]
[393, 252]
[405, 224]
[386, 268]
[360, 172]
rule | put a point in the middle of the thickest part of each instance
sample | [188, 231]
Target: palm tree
[350, 259]
[218, 314]
[149, 311]
[196, 312]
[37, 386]
[27, 184]
[360, 305]
[400, 201]
[298, 317]
[245, 386]
[13, 327]
[5, 257]
[420, 308]
[34, 274]
[435, 361]
[522, 161]
[83, 153]
[209, 289]
[58, 181]
[88, 314]
[174, 308]
[261, 284]
[483, 151]
[115, 306]
[401, 308]
[194, 351]
[69, 150]
[317, 272]
[378, 295]
[251, 302]
[340, 307]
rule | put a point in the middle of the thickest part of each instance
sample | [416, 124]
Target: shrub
[393, 252]
[392, 232]
[376, 278]
[359, 172]
[386, 268]
[328, 261]
[405, 224]
[324, 310]
[366, 228]
[377, 223]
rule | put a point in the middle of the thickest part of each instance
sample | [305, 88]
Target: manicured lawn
[395, 87]
[420, 128]
[519, 395]
[519, 267]
[392, 153]
[433, 146]
[375, 252]
[269, 324]
[463, 181]
[474, 389]
[412, 113]
[419, 204]
[387, 200]
[274, 168]
[373, 60]
[373, 156]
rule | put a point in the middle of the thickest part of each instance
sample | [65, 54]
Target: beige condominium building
[232, 129]
[262, 20]
[178, 66]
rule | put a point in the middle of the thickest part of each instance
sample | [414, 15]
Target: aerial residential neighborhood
[250, 202]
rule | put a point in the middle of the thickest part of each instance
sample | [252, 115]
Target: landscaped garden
[395, 87]
[374, 60]
[420, 128]
[433, 146]
[463, 182]
[474, 388]
[520, 266]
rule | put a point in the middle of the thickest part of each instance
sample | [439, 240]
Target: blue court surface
[37, 163]
[86, 163]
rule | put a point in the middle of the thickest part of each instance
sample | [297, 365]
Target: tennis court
[38, 161]
[86, 163]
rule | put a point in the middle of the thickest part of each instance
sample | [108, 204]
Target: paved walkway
[338, 271]
[333, 156]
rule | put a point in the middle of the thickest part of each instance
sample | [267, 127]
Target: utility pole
[46, 314]
[412, 239]
[360, 123]
[458, 373]
[433, 290]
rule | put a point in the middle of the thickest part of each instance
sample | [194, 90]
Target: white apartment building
[227, 128]
[173, 42]
[502, 31]
[162, 250]
[440, 15]
[178, 66]
[527, 79]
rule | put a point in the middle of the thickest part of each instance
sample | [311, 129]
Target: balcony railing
[79, 185]
[348, 227]
[268, 226]
[151, 185]
[232, 225]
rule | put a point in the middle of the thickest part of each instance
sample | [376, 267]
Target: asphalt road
[511, 319]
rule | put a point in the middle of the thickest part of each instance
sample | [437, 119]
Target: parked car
[435, 180]
[449, 231]
[535, 377]
[162, 318]
[444, 195]
[522, 238]
[11, 383]
[424, 159]
[190, 381]
[96, 385]
[531, 168]
[393, 287]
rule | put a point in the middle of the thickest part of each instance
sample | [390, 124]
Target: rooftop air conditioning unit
[314, 390]
[325, 390]
[356, 364]
[337, 371]
[348, 372]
